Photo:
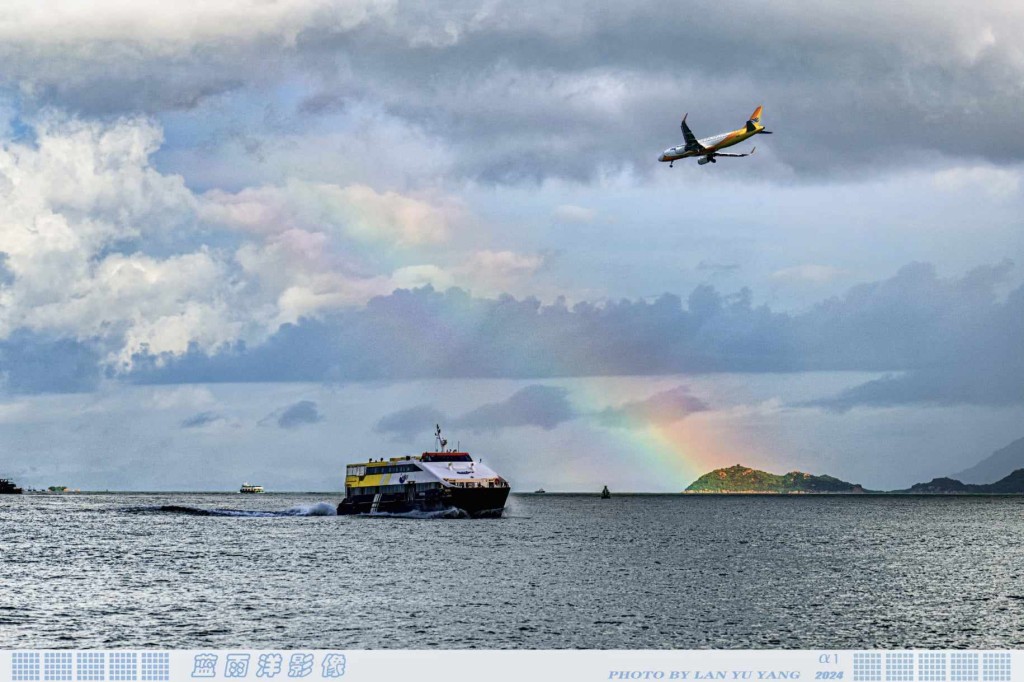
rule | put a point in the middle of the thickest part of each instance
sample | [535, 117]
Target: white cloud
[494, 272]
[80, 205]
[389, 214]
[356, 211]
[69, 201]
[167, 29]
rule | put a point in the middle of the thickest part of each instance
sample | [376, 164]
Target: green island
[739, 479]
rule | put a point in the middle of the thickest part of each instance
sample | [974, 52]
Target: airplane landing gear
[670, 163]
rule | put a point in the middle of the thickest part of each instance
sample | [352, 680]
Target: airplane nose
[661, 157]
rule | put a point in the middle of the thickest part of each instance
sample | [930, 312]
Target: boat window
[446, 457]
[393, 469]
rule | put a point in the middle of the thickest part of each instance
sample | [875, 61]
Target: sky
[250, 240]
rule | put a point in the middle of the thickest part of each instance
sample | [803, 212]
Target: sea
[190, 571]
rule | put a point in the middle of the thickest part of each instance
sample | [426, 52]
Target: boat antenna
[439, 441]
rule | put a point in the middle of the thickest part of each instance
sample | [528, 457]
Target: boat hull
[474, 502]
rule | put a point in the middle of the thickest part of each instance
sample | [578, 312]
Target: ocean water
[281, 571]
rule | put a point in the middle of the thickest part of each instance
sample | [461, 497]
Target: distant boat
[251, 488]
[605, 494]
[539, 491]
[8, 487]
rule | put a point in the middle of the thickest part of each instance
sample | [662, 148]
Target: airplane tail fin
[754, 118]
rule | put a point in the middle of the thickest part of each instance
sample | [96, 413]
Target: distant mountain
[1014, 483]
[741, 479]
[938, 486]
[996, 466]
[1008, 485]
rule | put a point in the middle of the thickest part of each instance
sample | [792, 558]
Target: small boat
[251, 488]
[606, 494]
[8, 487]
[539, 491]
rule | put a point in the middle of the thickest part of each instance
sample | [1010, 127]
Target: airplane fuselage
[711, 144]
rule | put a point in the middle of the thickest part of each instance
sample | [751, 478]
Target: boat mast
[439, 442]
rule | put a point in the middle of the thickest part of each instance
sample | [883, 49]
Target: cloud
[201, 419]
[151, 56]
[537, 405]
[39, 363]
[956, 341]
[955, 333]
[907, 82]
[659, 409]
[100, 248]
[6, 275]
[295, 415]
[914, 83]
[85, 199]
[103, 259]
[545, 407]
[357, 211]
[411, 422]
[495, 272]
[542, 406]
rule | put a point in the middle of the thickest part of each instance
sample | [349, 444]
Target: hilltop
[741, 479]
[1009, 485]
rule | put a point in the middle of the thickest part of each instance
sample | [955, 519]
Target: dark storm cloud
[523, 94]
[542, 406]
[295, 415]
[662, 408]
[954, 339]
[525, 91]
[38, 363]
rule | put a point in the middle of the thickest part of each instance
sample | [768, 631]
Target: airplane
[707, 148]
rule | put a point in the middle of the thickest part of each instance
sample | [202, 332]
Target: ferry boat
[433, 481]
[251, 488]
[8, 487]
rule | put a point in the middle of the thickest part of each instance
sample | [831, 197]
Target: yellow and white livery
[707, 149]
[438, 481]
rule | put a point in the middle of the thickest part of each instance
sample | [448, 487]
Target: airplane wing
[691, 139]
[735, 156]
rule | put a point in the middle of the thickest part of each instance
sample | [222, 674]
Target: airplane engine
[702, 161]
